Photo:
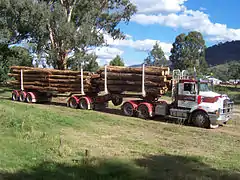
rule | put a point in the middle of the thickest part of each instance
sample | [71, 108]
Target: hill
[223, 52]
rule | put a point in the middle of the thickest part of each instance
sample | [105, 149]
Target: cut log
[149, 90]
[41, 83]
[134, 77]
[63, 81]
[47, 70]
[62, 90]
[48, 76]
[148, 70]
[126, 82]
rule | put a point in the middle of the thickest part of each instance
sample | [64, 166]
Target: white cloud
[191, 20]
[202, 9]
[173, 13]
[106, 54]
[140, 45]
[156, 6]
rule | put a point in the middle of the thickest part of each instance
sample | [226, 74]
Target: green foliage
[59, 27]
[220, 72]
[17, 56]
[234, 70]
[227, 71]
[156, 57]
[88, 61]
[117, 61]
[188, 52]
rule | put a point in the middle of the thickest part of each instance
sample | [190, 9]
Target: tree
[61, 27]
[87, 61]
[17, 56]
[234, 70]
[156, 57]
[220, 71]
[188, 52]
[117, 61]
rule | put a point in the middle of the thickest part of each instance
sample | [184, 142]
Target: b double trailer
[192, 101]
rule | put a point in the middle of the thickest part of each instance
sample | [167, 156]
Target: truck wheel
[200, 119]
[83, 104]
[142, 112]
[15, 96]
[29, 98]
[117, 101]
[72, 103]
[128, 109]
[22, 96]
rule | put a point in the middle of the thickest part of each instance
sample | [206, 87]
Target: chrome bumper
[224, 115]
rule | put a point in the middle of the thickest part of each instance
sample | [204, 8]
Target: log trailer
[192, 101]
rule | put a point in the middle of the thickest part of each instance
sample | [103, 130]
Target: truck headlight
[217, 112]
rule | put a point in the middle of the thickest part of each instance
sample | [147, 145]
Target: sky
[162, 20]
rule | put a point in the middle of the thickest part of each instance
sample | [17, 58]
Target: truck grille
[227, 107]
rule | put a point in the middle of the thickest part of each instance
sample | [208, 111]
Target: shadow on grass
[153, 167]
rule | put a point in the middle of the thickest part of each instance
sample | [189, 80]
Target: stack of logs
[120, 79]
[157, 80]
[50, 80]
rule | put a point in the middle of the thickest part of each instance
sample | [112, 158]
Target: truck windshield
[204, 87]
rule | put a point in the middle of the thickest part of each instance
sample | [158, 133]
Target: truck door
[187, 94]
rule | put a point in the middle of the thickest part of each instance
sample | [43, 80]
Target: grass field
[54, 142]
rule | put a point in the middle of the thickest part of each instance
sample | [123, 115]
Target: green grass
[50, 142]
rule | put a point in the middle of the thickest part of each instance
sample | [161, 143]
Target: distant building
[233, 81]
[214, 80]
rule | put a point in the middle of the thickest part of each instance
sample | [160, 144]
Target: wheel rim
[117, 101]
[128, 109]
[83, 104]
[200, 119]
[22, 97]
[73, 103]
[143, 112]
[14, 96]
[29, 98]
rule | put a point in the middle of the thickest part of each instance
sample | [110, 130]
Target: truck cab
[193, 100]
[192, 103]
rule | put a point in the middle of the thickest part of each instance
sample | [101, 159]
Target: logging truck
[192, 100]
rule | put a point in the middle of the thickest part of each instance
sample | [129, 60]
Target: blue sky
[163, 20]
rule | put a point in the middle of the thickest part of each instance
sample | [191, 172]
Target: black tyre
[22, 96]
[143, 112]
[83, 104]
[117, 101]
[29, 98]
[15, 96]
[200, 119]
[72, 103]
[128, 109]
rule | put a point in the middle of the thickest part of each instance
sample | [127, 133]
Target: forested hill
[223, 52]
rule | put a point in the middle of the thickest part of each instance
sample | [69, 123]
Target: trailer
[192, 101]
